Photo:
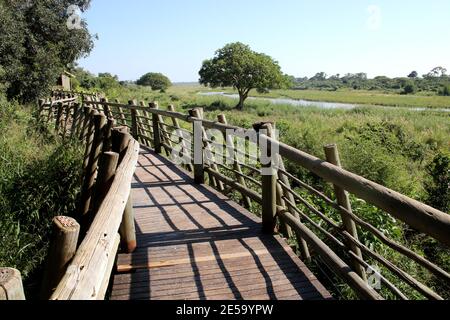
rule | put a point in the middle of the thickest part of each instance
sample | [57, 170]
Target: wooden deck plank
[195, 243]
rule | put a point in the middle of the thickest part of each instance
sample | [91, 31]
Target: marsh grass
[39, 177]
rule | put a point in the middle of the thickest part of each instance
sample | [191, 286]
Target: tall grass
[39, 178]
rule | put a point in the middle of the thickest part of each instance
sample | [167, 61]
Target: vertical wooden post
[75, 119]
[149, 126]
[91, 170]
[269, 184]
[156, 132]
[120, 138]
[183, 143]
[332, 156]
[198, 159]
[63, 247]
[58, 117]
[106, 172]
[134, 124]
[41, 104]
[127, 228]
[246, 200]
[87, 112]
[106, 108]
[123, 119]
[11, 287]
[107, 143]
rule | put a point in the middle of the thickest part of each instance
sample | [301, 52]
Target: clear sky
[379, 37]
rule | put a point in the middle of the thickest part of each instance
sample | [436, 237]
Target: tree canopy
[36, 44]
[238, 66]
[157, 81]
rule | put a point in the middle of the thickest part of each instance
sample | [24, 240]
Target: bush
[438, 186]
[409, 88]
[445, 90]
[39, 179]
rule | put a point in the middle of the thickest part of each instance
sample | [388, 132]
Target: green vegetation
[405, 150]
[236, 65]
[36, 45]
[429, 83]
[39, 179]
[360, 97]
[156, 81]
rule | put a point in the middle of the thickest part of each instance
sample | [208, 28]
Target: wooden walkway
[195, 243]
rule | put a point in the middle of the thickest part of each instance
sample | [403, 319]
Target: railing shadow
[188, 232]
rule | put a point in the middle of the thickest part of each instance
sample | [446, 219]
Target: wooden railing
[83, 250]
[324, 228]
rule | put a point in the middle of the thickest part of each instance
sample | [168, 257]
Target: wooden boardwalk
[195, 243]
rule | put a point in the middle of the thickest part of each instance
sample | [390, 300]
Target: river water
[317, 104]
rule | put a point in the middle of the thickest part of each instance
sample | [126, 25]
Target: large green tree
[38, 40]
[157, 81]
[238, 66]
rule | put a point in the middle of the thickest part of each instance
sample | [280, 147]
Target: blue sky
[381, 37]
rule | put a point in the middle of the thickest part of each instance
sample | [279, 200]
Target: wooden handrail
[86, 275]
[414, 213]
[422, 217]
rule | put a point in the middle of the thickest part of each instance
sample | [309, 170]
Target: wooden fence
[323, 225]
[83, 248]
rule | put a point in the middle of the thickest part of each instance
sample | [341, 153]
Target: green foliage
[409, 88]
[238, 66]
[157, 81]
[39, 179]
[86, 81]
[438, 184]
[445, 90]
[36, 45]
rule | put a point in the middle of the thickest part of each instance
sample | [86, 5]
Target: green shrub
[409, 88]
[445, 90]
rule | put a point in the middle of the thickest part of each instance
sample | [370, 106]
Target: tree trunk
[242, 97]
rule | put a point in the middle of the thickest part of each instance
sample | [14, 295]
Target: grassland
[393, 146]
[363, 97]
[39, 179]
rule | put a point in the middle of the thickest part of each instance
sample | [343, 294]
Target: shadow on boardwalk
[194, 243]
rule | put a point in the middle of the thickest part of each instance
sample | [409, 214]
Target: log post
[123, 119]
[106, 108]
[127, 228]
[156, 132]
[184, 146]
[134, 124]
[58, 117]
[120, 138]
[62, 249]
[75, 119]
[107, 143]
[246, 200]
[106, 171]
[332, 156]
[198, 159]
[41, 104]
[269, 183]
[91, 170]
[11, 287]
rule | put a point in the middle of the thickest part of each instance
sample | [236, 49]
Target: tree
[238, 66]
[413, 75]
[157, 81]
[320, 76]
[409, 88]
[436, 73]
[36, 44]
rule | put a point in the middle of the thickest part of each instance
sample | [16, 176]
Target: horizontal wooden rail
[152, 129]
[86, 275]
[414, 213]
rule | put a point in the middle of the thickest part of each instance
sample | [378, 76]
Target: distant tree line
[436, 80]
